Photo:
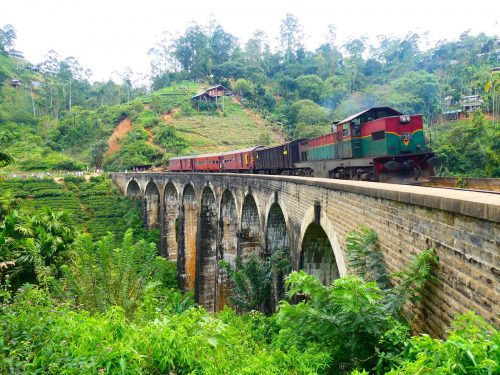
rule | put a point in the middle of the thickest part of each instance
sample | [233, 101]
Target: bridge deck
[482, 205]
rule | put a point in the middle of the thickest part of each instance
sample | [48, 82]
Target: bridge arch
[228, 232]
[206, 253]
[250, 234]
[320, 251]
[277, 240]
[186, 256]
[133, 189]
[152, 205]
[171, 220]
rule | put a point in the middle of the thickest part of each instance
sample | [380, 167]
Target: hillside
[144, 131]
[165, 123]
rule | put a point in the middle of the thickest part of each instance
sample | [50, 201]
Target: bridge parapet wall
[462, 226]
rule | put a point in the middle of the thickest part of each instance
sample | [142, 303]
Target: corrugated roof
[182, 157]
[214, 87]
[200, 94]
[248, 149]
[350, 118]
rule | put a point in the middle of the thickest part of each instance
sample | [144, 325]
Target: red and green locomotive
[378, 144]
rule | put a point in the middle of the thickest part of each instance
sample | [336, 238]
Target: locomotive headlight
[404, 119]
[418, 146]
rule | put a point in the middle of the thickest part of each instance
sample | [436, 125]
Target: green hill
[160, 124]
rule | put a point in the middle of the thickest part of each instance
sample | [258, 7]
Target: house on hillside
[211, 94]
[15, 83]
[471, 103]
[16, 54]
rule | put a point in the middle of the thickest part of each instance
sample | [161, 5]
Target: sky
[108, 36]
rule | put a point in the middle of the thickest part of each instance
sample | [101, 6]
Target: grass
[221, 131]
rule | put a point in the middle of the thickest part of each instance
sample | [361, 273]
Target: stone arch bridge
[204, 218]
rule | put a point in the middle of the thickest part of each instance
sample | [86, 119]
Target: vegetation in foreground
[118, 310]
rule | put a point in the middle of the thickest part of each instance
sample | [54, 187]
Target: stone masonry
[222, 216]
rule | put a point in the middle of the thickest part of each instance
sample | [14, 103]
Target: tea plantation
[94, 206]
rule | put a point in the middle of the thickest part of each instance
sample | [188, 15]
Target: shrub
[347, 318]
[471, 348]
[102, 276]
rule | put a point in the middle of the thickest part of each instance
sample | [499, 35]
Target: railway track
[461, 189]
[486, 185]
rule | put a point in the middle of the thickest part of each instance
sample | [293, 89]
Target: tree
[193, 53]
[222, 45]
[256, 47]
[309, 87]
[38, 244]
[334, 91]
[163, 55]
[354, 63]
[7, 39]
[70, 70]
[97, 153]
[5, 157]
[417, 92]
[291, 37]
[244, 87]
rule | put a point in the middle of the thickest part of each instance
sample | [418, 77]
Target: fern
[102, 276]
[411, 281]
[349, 317]
[253, 280]
[364, 256]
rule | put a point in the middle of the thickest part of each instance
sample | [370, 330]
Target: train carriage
[279, 159]
[239, 160]
[180, 164]
[207, 163]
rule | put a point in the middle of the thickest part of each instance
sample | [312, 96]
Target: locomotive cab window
[377, 136]
[346, 131]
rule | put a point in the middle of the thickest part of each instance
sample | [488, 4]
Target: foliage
[39, 335]
[357, 311]
[364, 256]
[253, 280]
[470, 348]
[101, 276]
[37, 244]
[95, 206]
[309, 87]
[244, 87]
[468, 148]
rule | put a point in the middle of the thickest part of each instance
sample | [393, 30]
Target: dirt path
[119, 132]
[151, 135]
[260, 122]
[168, 117]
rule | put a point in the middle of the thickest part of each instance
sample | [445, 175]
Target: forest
[300, 92]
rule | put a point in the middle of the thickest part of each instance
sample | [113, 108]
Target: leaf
[212, 340]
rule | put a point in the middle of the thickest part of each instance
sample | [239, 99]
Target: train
[378, 144]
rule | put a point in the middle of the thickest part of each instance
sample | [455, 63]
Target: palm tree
[5, 158]
[38, 244]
